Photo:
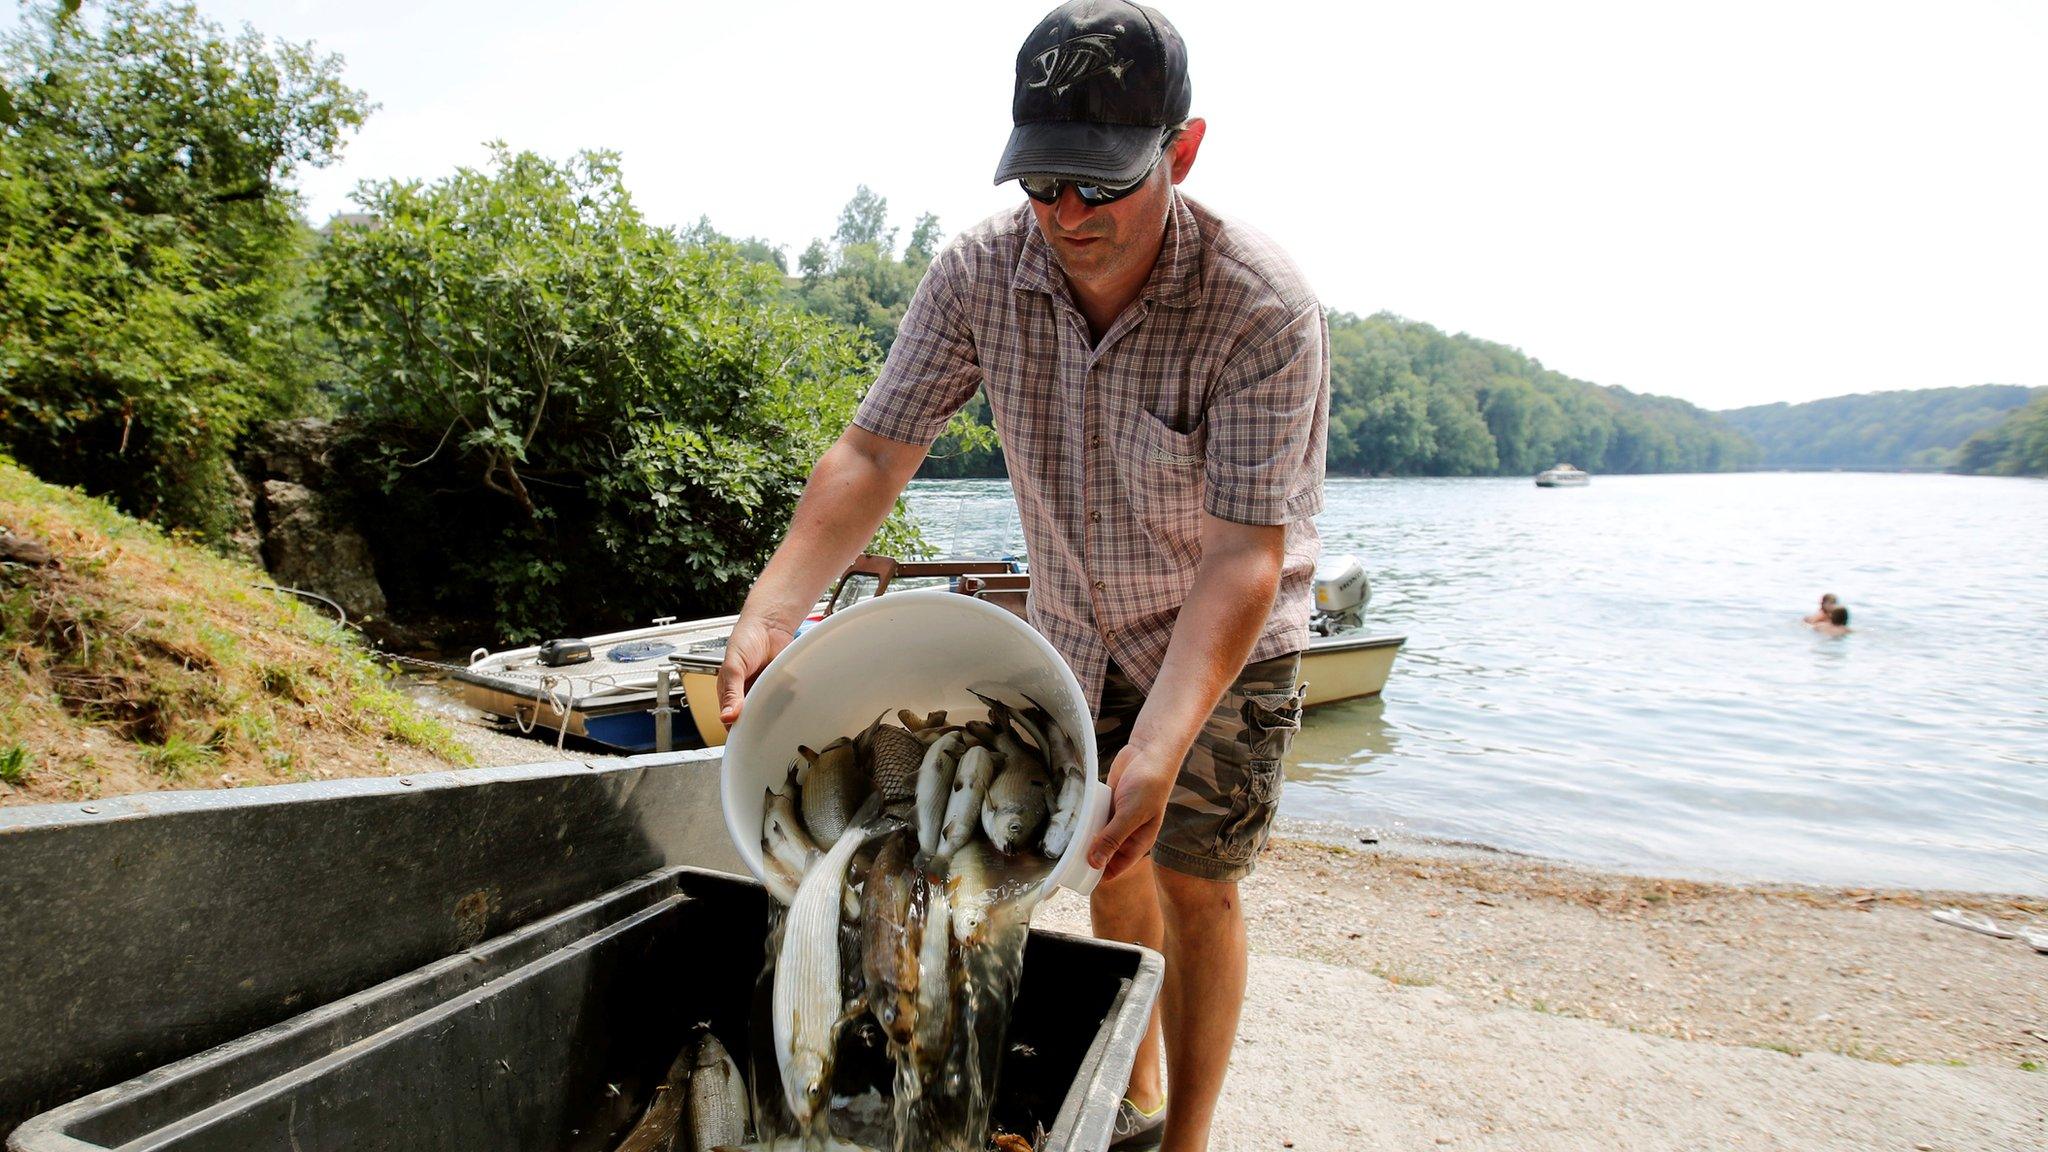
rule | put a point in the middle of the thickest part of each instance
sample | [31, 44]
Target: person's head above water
[1838, 615]
[1101, 134]
[1828, 600]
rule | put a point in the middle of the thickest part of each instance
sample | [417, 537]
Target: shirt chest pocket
[1165, 473]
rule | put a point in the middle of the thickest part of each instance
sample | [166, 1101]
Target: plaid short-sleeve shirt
[1211, 392]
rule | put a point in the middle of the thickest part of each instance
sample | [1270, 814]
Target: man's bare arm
[849, 494]
[1226, 609]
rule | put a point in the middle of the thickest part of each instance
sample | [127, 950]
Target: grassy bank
[136, 662]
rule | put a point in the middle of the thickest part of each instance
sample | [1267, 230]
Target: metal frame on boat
[656, 688]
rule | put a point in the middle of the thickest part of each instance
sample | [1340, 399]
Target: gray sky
[1733, 203]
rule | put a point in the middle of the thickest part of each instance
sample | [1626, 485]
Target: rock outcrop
[308, 541]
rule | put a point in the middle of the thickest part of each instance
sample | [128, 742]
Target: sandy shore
[1416, 997]
[1406, 998]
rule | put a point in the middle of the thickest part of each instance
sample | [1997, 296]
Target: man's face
[1116, 243]
[1109, 243]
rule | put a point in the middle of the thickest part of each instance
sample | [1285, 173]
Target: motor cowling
[1342, 592]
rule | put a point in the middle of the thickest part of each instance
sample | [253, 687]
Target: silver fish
[1066, 811]
[833, 789]
[1015, 751]
[786, 849]
[1027, 724]
[934, 782]
[963, 805]
[972, 888]
[934, 1024]
[1070, 788]
[718, 1111]
[1015, 804]
[805, 1000]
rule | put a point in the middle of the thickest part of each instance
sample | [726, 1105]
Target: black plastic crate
[551, 1038]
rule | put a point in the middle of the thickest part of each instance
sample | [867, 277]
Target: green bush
[586, 419]
[151, 304]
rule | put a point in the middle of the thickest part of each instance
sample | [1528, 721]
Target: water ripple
[1617, 674]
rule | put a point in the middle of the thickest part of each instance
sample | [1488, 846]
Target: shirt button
[1109, 634]
[1095, 441]
[1095, 516]
[1101, 587]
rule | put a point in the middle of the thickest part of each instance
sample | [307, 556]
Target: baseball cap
[1097, 81]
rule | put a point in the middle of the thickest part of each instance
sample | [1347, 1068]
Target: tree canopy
[151, 305]
[857, 278]
[582, 416]
[2016, 446]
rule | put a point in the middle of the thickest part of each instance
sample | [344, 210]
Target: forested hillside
[1409, 400]
[2017, 446]
[1921, 429]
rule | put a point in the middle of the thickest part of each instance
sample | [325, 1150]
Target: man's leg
[1127, 909]
[1201, 998]
[1218, 819]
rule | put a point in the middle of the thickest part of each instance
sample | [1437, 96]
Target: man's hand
[1140, 783]
[752, 645]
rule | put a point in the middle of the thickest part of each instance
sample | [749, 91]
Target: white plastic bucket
[917, 650]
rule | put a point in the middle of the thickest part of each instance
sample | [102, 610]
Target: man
[1160, 381]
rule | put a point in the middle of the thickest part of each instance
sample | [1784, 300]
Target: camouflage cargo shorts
[1222, 807]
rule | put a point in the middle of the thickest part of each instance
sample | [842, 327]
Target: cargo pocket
[1270, 721]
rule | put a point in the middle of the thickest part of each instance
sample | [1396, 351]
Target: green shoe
[1134, 1129]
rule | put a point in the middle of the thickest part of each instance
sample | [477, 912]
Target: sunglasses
[1046, 189]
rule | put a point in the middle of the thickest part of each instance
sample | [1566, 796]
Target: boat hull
[1347, 666]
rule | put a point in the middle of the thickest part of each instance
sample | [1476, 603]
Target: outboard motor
[1342, 592]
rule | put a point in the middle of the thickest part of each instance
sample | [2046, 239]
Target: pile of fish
[699, 1107]
[895, 852]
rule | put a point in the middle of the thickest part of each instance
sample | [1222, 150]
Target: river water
[1617, 675]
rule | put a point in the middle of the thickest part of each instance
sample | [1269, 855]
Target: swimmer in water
[1827, 610]
[1837, 623]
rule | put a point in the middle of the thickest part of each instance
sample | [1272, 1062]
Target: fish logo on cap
[1079, 60]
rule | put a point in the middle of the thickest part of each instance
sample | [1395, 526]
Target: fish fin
[909, 719]
[809, 756]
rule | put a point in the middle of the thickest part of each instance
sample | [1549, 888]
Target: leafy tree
[865, 220]
[856, 278]
[924, 242]
[753, 248]
[602, 419]
[150, 305]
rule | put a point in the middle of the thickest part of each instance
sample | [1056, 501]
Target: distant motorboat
[1562, 476]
